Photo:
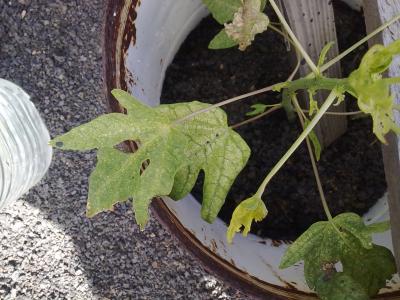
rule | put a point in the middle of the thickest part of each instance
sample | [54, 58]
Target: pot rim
[114, 31]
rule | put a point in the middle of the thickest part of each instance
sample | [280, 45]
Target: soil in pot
[351, 168]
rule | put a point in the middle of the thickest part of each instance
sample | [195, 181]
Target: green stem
[331, 98]
[225, 102]
[296, 42]
[356, 45]
[313, 163]
[274, 108]
[317, 83]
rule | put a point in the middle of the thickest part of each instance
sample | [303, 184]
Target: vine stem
[330, 63]
[313, 162]
[328, 102]
[271, 110]
[294, 38]
[225, 102]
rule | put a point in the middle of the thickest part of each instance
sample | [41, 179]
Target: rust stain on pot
[287, 284]
[130, 78]
[126, 37]
[232, 262]
[214, 246]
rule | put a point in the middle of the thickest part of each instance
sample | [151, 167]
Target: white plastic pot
[140, 42]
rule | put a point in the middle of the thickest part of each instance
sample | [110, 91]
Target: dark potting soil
[351, 168]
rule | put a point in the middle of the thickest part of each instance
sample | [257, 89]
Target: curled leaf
[247, 22]
[373, 92]
[250, 209]
[324, 52]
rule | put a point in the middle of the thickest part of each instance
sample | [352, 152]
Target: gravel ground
[48, 248]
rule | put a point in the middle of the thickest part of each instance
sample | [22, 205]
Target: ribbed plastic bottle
[25, 154]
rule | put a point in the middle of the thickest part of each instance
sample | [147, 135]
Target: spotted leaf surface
[346, 240]
[169, 159]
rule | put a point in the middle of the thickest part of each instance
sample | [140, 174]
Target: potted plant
[179, 140]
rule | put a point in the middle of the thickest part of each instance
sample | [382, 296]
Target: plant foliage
[175, 152]
[178, 141]
[242, 19]
[345, 239]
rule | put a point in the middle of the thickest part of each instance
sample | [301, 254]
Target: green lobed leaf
[250, 209]
[174, 153]
[221, 41]
[314, 140]
[247, 22]
[345, 239]
[223, 10]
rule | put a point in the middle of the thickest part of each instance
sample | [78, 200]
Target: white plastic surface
[25, 154]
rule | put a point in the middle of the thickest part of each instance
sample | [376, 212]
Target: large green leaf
[223, 10]
[173, 153]
[345, 239]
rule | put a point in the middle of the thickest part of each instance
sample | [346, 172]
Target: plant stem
[271, 110]
[313, 163]
[356, 45]
[225, 102]
[328, 102]
[296, 42]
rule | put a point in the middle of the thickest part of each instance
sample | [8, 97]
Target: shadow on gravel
[52, 50]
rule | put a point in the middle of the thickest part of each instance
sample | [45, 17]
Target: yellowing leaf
[373, 92]
[175, 152]
[247, 22]
[244, 214]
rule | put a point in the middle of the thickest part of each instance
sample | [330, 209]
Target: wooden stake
[376, 13]
[313, 22]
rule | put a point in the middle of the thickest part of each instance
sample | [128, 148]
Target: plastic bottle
[25, 154]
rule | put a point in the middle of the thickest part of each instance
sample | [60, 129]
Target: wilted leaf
[244, 214]
[176, 152]
[247, 22]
